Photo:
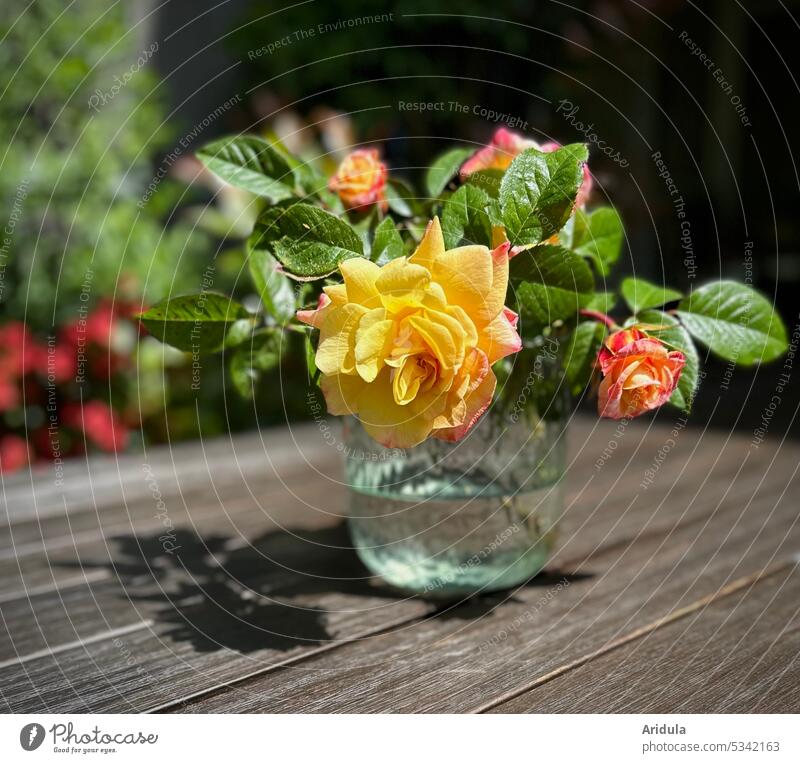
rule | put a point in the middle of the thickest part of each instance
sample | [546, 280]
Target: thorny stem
[598, 316]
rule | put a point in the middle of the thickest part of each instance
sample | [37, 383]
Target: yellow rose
[409, 346]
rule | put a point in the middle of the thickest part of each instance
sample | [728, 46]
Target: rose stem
[598, 316]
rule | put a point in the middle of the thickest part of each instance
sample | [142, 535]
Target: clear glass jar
[450, 519]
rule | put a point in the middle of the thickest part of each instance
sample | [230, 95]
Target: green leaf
[734, 322]
[444, 167]
[488, 181]
[400, 197]
[642, 295]
[365, 228]
[193, 322]
[275, 289]
[666, 328]
[249, 362]
[311, 354]
[495, 215]
[387, 244]
[239, 332]
[251, 163]
[331, 201]
[580, 355]
[306, 175]
[308, 242]
[554, 283]
[465, 219]
[597, 235]
[538, 192]
[310, 259]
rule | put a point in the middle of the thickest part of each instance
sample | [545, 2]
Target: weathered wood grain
[131, 630]
[141, 574]
[35, 555]
[739, 654]
[161, 663]
[236, 596]
[39, 552]
[229, 601]
[55, 560]
[469, 656]
[102, 481]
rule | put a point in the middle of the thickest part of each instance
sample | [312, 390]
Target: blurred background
[689, 110]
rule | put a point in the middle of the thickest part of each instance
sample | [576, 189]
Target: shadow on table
[220, 592]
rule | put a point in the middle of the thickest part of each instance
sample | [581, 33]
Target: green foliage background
[74, 174]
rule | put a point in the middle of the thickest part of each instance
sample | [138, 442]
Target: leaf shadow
[218, 592]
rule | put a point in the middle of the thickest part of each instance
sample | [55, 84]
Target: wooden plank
[738, 655]
[610, 506]
[54, 559]
[142, 575]
[197, 619]
[218, 467]
[35, 536]
[471, 655]
[273, 610]
[68, 538]
[98, 557]
[159, 649]
[39, 552]
[147, 668]
[101, 481]
[35, 554]
[199, 644]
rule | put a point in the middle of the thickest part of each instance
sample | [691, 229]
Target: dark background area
[725, 131]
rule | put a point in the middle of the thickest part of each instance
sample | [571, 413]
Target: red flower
[100, 324]
[99, 424]
[61, 362]
[14, 453]
[95, 328]
[9, 394]
[20, 354]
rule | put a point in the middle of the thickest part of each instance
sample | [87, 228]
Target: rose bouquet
[421, 311]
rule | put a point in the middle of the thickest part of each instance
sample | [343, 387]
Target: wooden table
[217, 577]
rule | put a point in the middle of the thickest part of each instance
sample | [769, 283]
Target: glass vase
[446, 520]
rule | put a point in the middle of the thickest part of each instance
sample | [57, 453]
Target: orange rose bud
[639, 374]
[499, 154]
[360, 180]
